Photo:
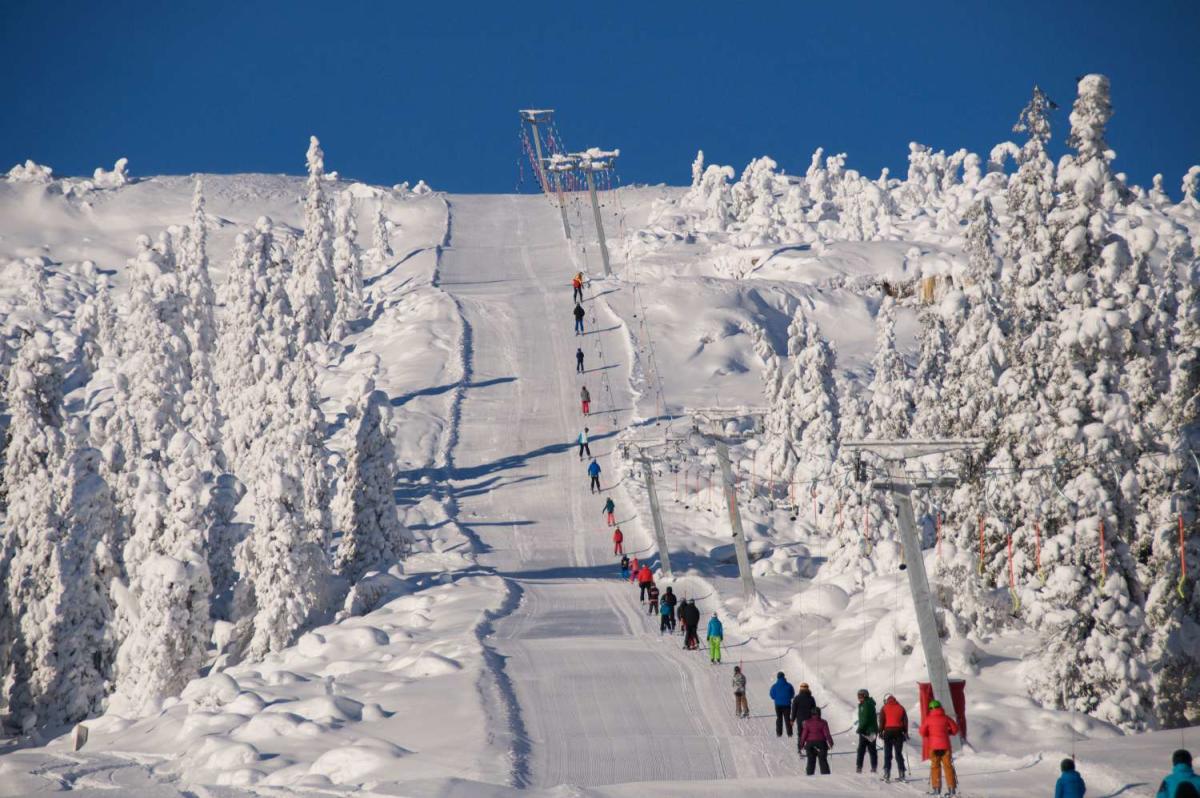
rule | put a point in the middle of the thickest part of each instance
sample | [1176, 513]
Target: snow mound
[828, 601]
[351, 764]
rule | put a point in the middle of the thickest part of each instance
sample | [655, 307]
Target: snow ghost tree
[283, 566]
[890, 411]
[1031, 193]
[55, 654]
[364, 509]
[312, 291]
[169, 622]
[381, 248]
[31, 553]
[697, 168]
[347, 266]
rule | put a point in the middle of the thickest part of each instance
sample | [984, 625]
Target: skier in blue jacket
[716, 633]
[782, 694]
[1183, 780]
[1070, 783]
[594, 473]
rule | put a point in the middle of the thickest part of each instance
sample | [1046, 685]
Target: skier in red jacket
[893, 728]
[618, 540]
[938, 728]
[645, 578]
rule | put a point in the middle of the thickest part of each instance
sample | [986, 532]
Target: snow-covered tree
[167, 607]
[803, 449]
[257, 338]
[1191, 181]
[381, 247]
[283, 565]
[931, 417]
[364, 509]
[312, 291]
[711, 199]
[84, 646]
[347, 266]
[890, 411]
[697, 168]
[33, 530]
[1031, 195]
[55, 652]
[200, 412]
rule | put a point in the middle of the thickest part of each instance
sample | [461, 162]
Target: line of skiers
[798, 708]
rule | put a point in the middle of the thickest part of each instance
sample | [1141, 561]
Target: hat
[803, 685]
[935, 704]
[863, 692]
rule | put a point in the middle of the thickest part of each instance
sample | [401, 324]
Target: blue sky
[404, 90]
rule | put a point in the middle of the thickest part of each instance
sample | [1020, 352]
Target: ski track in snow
[600, 697]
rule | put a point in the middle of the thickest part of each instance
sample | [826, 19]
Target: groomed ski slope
[590, 691]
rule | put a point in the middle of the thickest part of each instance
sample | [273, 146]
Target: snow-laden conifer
[364, 509]
[347, 266]
[312, 290]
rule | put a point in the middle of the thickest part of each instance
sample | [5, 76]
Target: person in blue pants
[578, 319]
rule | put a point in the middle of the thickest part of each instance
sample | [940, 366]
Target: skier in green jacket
[868, 730]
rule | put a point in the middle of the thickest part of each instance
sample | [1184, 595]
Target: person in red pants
[618, 539]
[585, 399]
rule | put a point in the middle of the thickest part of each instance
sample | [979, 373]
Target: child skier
[578, 360]
[577, 287]
[741, 708]
[666, 618]
[582, 440]
[609, 510]
[618, 541]
[652, 594]
[624, 567]
[585, 399]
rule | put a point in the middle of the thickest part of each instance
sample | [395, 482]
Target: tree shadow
[397, 401]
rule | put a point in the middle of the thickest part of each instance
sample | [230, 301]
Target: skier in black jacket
[802, 706]
[691, 620]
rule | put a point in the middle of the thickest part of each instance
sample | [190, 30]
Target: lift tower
[894, 453]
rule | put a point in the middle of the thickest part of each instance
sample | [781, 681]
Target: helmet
[691, 601]
[935, 704]
[863, 693]
[803, 685]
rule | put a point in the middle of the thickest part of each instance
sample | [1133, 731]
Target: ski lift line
[1037, 531]
[1182, 560]
[1012, 578]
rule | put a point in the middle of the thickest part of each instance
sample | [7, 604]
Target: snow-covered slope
[504, 654]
